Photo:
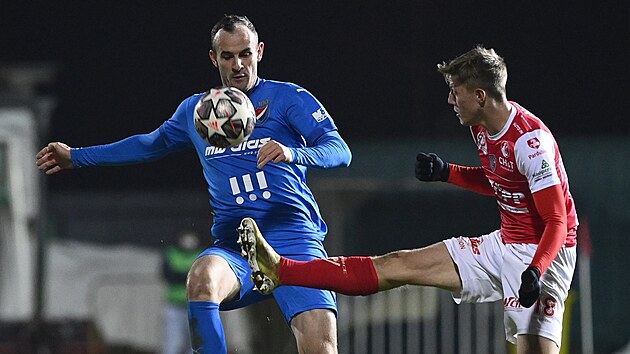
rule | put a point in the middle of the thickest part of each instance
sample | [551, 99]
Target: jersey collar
[507, 124]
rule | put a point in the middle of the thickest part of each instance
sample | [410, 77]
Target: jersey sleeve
[471, 178]
[307, 115]
[329, 151]
[175, 129]
[169, 137]
[550, 205]
[535, 157]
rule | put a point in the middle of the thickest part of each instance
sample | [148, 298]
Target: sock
[206, 329]
[345, 275]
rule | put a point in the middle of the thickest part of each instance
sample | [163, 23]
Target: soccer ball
[224, 117]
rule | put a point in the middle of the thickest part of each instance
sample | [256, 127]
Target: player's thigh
[211, 278]
[315, 331]
[530, 343]
[427, 266]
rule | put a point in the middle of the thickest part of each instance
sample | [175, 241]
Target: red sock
[345, 275]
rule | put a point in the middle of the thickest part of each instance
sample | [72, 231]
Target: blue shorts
[292, 300]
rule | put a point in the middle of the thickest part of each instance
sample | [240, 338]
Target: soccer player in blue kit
[263, 178]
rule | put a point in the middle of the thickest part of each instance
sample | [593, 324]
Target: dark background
[123, 67]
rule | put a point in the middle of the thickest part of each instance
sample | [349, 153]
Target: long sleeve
[328, 151]
[471, 178]
[550, 205]
[134, 149]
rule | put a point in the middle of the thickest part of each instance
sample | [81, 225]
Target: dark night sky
[123, 67]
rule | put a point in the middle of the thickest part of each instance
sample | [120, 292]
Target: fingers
[46, 162]
[424, 164]
[262, 160]
[42, 152]
[273, 151]
[423, 157]
[53, 158]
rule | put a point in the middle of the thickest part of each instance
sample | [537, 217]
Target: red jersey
[521, 159]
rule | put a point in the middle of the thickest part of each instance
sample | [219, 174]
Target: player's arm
[169, 137]
[328, 151]
[134, 149]
[552, 209]
[544, 182]
[430, 167]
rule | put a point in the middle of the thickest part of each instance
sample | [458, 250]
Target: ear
[481, 96]
[213, 58]
[260, 50]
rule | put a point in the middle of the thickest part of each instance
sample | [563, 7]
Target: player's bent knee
[209, 281]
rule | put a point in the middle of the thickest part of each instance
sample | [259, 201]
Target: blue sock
[206, 329]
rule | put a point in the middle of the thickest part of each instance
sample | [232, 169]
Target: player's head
[473, 78]
[236, 51]
[478, 68]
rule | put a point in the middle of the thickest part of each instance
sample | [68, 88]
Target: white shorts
[491, 270]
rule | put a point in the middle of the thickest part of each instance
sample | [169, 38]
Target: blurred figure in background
[176, 261]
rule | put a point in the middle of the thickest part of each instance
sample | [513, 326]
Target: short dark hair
[478, 67]
[228, 23]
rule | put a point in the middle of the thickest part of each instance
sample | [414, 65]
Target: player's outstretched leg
[262, 258]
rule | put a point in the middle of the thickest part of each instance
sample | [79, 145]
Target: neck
[497, 113]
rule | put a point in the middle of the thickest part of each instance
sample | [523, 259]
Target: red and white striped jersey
[521, 159]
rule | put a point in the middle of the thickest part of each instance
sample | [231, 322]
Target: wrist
[445, 172]
[535, 270]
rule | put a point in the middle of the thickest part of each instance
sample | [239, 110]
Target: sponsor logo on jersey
[544, 172]
[506, 164]
[533, 143]
[244, 148]
[505, 149]
[249, 187]
[504, 160]
[320, 115]
[505, 195]
[536, 154]
[481, 143]
[512, 209]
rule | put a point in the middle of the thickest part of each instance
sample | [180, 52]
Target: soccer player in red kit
[528, 263]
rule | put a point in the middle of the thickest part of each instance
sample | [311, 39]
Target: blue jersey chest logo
[247, 147]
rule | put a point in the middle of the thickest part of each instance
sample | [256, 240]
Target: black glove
[429, 167]
[530, 287]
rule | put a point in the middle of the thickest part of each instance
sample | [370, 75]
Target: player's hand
[54, 158]
[530, 287]
[274, 151]
[429, 167]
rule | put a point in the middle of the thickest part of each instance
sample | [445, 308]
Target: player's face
[465, 104]
[236, 55]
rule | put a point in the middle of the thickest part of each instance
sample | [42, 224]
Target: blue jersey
[277, 195]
